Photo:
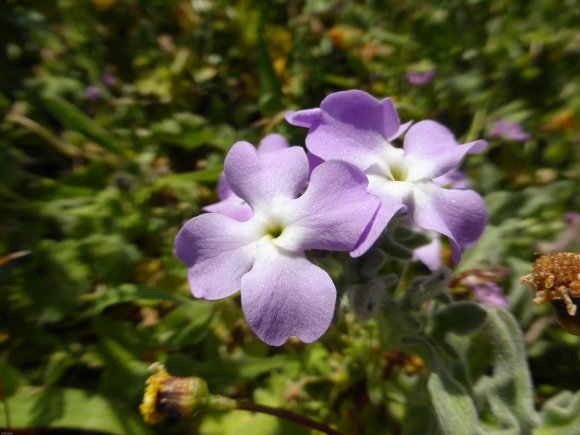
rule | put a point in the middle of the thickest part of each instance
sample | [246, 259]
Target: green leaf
[185, 181]
[9, 379]
[137, 294]
[70, 408]
[560, 415]
[460, 318]
[76, 120]
[508, 392]
[186, 325]
[453, 406]
[486, 251]
[58, 363]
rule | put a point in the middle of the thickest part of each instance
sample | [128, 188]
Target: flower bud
[425, 288]
[367, 298]
[180, 398]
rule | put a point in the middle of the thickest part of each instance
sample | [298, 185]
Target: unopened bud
[425, 288]
[180, 398]
[367, 298]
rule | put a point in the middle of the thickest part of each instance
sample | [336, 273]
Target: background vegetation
[115, 118]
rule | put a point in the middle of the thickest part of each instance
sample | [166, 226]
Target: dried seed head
[556, 276]
[557, 269]
[168, 395]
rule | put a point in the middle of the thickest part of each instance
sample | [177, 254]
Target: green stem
[61, 145]
[287, 415]
[221, 403]
[6, 413]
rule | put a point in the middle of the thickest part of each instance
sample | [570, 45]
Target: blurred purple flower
[421, 78]
[568, 240]
[353, 126]
[509, 130]
[572, 218]
[108, 79]
[487, 292]
[283, 293]
[92, 92]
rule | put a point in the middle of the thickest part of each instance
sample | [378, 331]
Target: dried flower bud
[168, 395]
[556, 276]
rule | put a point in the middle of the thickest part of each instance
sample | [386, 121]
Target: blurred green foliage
[116, 116]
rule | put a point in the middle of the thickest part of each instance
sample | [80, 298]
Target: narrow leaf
[76, 120]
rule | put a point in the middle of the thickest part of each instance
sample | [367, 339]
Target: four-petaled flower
[283, 294]
[353, 126]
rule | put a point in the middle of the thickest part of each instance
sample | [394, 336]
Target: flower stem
[286, 415]
[6, 413]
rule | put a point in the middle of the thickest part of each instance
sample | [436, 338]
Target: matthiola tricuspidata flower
[283, 293]
[355, 127]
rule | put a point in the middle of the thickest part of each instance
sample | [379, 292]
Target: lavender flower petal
[274, 176]
[231, 204]
[93, 92]
[350, 126]
[421, 78]
[489, 293]
[313, 161]
[454, 179]
[304, 118]
[285, 295]
[388, 209]
[431, 150]
[218, 251]
[458, 214]
[430, 254]
[272, 142]
[509, 130]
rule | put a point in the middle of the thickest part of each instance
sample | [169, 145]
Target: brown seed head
[556, 270]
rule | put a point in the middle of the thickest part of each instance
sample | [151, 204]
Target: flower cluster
[278, 201]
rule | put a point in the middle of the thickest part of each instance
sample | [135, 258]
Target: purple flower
[355, 127]
[421, 78]
[283, 294]
[108, 79]
[509, 130]
[487, 292]
[92, 92]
